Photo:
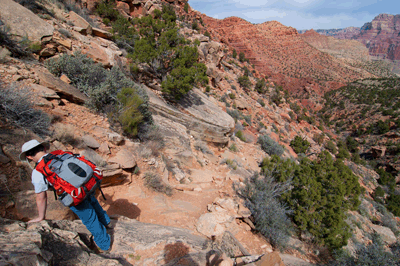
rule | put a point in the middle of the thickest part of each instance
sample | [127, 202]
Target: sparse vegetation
[155, 182]
[103, 86]
[16, 107]
[270, 146]
[262, 195]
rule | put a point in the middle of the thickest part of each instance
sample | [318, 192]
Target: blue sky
[300, 14]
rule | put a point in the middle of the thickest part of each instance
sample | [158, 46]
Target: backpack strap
[45, 179]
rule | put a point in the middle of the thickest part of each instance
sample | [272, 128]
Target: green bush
[17, 108]
[242, 57]
[260, 86]
[299, 145]
[129, 115]
[330, 146]
[186, 7]
[240, 135]
[270, 146]
[244, 82]
[165, 51]
[322, 192]
[262, 196]
[106, 9]
[234, 53]
[233, 148]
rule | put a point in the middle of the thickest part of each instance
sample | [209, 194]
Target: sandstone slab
[125, 158]
[24, 22]
[200, 116]
[64, 89]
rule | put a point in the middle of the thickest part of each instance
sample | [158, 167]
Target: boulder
[92, 156]
[213, 223]
[91, 142]
[125, 158]
[115, 138]
[3, 158]
[202, 118]
[80, 22]
[385, 233]
[100, 54]
[23, 22]
[25, 207]
[101, 33]
[64, 89]
[104, 148]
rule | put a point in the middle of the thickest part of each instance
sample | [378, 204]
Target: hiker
[93, 216]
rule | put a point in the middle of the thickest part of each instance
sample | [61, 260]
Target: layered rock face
[280, 53]
[346, 33]
[381, 36]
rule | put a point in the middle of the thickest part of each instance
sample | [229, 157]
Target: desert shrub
[130, 116]
[101, 85]
[234, 113]
[299, 145]
[8, 42]
[261, 102]
[240, 135]
[330, 146]
[230, 163]
[260, 86]
[270, 146]
[16, 107]
[232, 96]
[65, 32]
[244, 81]
[155, 182]
[343, 153]
[393, 204]
[322, 192]
[195, 25]
[373, 254]
[166, 54]
[106, 9]
[233, 148]
[242, 57]
[234, 53]
[202, 146]
[186, 7]
[262, 196]
[65, 133]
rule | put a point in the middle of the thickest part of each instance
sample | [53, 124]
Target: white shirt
[38, 180]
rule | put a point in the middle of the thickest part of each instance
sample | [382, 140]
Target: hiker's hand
[35, 220]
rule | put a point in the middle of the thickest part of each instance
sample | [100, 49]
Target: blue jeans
[95, 219]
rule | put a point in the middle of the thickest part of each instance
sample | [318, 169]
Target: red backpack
[73, 177]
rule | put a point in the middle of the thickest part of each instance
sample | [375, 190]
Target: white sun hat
[30, 145]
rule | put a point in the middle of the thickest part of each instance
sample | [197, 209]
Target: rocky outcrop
[381, 36]
[24, 22]
[67, 243]
[67, 91]
[203, 118]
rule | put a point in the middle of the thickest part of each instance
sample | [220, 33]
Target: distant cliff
[381, 36]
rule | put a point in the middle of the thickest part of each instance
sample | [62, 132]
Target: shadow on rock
[178, 254]
[122, 207]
